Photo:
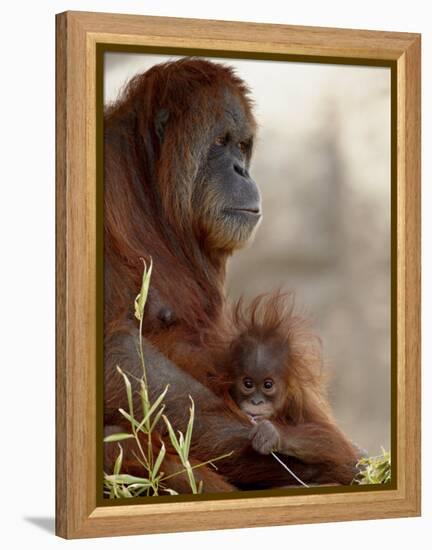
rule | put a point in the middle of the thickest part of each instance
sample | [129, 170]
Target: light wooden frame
[77, 512]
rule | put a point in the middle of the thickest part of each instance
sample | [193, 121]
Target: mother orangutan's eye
[242, 146]
[222, 140]
[247, 383]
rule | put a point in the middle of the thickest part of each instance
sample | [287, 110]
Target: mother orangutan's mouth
[252, 211]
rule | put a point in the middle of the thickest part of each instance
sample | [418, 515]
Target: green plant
[374, 469]
[152, 454]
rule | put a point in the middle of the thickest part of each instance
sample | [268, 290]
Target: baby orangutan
[273, 374]
[259, 388]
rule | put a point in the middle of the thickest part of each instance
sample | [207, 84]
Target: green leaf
[125, 493]
[145, 403]
[126, 478]
[159, 460]
[157, 418]
[138, 491]
[155, 405]
[132, 420]
[172, 436]
[191, 476]
[374, 470]
[141, 298]
[181, 444]
[171, 491]
[118, 462]
[189, 429]
[134, 486]
[117, 437]
[128, 390]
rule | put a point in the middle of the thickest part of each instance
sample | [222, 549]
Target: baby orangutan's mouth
[255, 418]
[256, 414]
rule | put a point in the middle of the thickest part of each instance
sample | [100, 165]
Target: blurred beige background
[322, 162]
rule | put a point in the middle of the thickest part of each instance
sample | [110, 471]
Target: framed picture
[238, 274]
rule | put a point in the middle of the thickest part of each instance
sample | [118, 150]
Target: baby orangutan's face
[259, 387]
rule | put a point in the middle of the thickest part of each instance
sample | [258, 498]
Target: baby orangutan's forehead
[262, 360]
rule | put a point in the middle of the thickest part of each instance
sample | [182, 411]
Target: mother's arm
[212, 418]
[216, 430]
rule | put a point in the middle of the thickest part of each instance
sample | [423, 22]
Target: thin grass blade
[118, 462]
[141, 299]
[159, 460]
[172, 436]
[157, 418]
[128, 390]
[188, 436]
[117, 437]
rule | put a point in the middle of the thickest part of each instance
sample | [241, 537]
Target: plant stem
[149, 438]
[289, 470]
[198, 465]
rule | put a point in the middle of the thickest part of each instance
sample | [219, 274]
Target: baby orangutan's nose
[257, 400]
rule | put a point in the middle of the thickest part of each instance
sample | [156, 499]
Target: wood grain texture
[230, 35]
[61, 253]
[76, 268]
[412, 264]
[77, 514]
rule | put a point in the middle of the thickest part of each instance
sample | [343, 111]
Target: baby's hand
[265, 437]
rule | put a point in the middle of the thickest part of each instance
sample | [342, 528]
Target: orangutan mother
[177, 188]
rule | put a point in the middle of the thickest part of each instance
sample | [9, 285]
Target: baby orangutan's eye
[268, 384]
[247, 383]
